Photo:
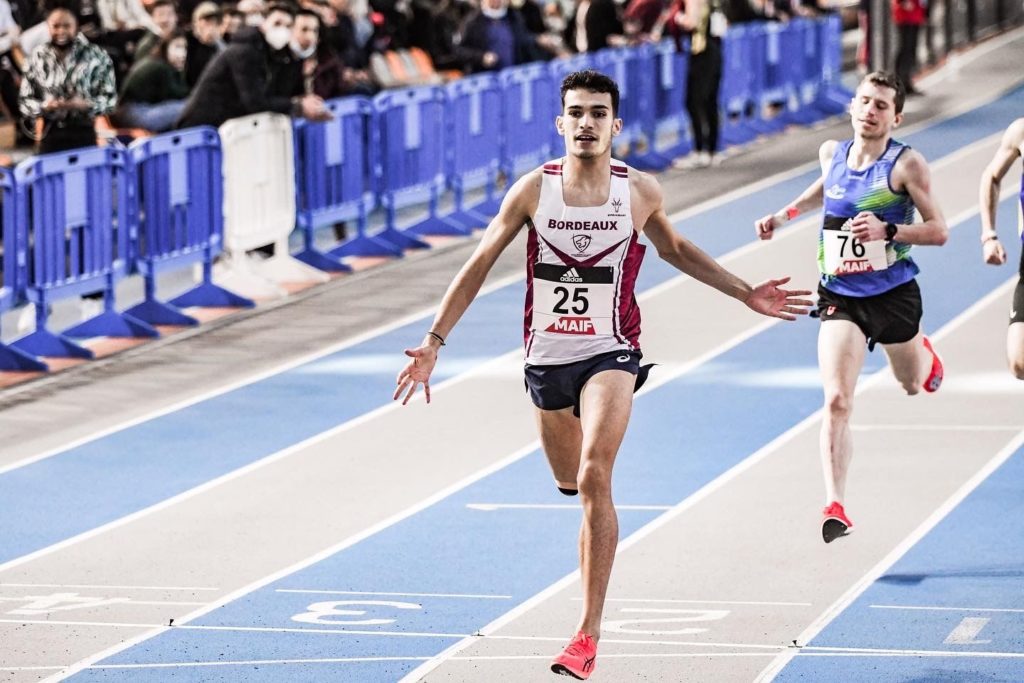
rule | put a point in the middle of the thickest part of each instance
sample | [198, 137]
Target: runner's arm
[911, 175]
[809, 199]
[766, 298]
[988, 193]
[516, 209]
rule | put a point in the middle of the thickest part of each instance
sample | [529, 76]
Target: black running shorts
[891, 317]
[555, 387]
[1017, 310]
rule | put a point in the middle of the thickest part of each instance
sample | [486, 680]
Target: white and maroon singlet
[582, 264]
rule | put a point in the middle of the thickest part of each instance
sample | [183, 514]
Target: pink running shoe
[577, 659]
[834, 522]
[934, 381]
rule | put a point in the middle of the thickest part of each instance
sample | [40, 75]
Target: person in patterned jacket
[68, 83]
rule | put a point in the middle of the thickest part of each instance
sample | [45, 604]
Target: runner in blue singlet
[870, 187]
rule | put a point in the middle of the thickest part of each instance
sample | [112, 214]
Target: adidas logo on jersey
[570, 276]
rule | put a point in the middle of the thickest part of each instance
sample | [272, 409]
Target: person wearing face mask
[68, 83]
[495, 38]
[243, 78]
[155, 90]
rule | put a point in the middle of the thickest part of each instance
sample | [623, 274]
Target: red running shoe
[834, 522]
[577, 659]
[934, 380]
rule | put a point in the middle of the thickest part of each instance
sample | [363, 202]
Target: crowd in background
[164, 64]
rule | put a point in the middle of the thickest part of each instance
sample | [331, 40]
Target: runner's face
[587, 123]
[873, 112]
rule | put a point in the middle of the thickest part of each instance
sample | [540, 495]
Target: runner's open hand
[416, 372]
[993, 252]
[768, 298]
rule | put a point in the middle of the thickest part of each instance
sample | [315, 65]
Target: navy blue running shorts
[556, 387]
[1017, 312]
[892, 317]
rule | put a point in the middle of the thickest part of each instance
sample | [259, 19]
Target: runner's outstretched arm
[809, 199]
[516, 209]
[988, 194]
[767, 298]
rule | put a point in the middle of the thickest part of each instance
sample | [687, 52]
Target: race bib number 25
[573, 300]
[845, 254]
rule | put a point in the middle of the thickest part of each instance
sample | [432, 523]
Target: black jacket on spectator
[198, 56]
[602, 21]
[476, 43]
[239, 81]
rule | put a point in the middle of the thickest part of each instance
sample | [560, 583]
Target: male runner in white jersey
[1010, 149]
[584, 214]
[867, 294]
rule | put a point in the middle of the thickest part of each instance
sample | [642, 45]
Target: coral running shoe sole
[577, 659]
[835, 524]
[934, 381]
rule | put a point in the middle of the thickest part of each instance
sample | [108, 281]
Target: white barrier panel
[259, 206]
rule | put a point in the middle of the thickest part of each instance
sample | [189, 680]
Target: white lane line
[104, 587]
[705, 491]
[895, 554]
[491, 507]
[120, 602]
[882, 652]
[404, 595]
[950, 609]
[652, 384]
[494, 658]
[937, 428]
[708, 602]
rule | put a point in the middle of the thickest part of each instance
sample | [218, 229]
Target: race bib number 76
[845, 254]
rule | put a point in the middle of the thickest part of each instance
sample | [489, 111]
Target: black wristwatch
[890, 231]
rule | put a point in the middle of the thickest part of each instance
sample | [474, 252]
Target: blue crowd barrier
[15, 271]
[408, 148]
[833, 97]
[672, 135]
[529, 105]
[333, 183]
[737, 99]
[474, 150]
[178, 206]
[76, 207]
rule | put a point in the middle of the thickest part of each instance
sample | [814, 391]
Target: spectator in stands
[10, 75]
[337, 44]
[204, 40]
[123, 23]
[641, 17]
[231, 21]
[908, 16]
[68, 83]
[391, 24]
[241, 79]
[166, 19]
[694, 18]
[594, 25]
[155, 91]
[495, 37]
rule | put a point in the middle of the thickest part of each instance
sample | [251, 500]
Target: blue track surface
[682, 436]
[972, 564]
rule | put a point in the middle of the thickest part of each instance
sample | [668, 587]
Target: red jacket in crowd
[909, 12]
